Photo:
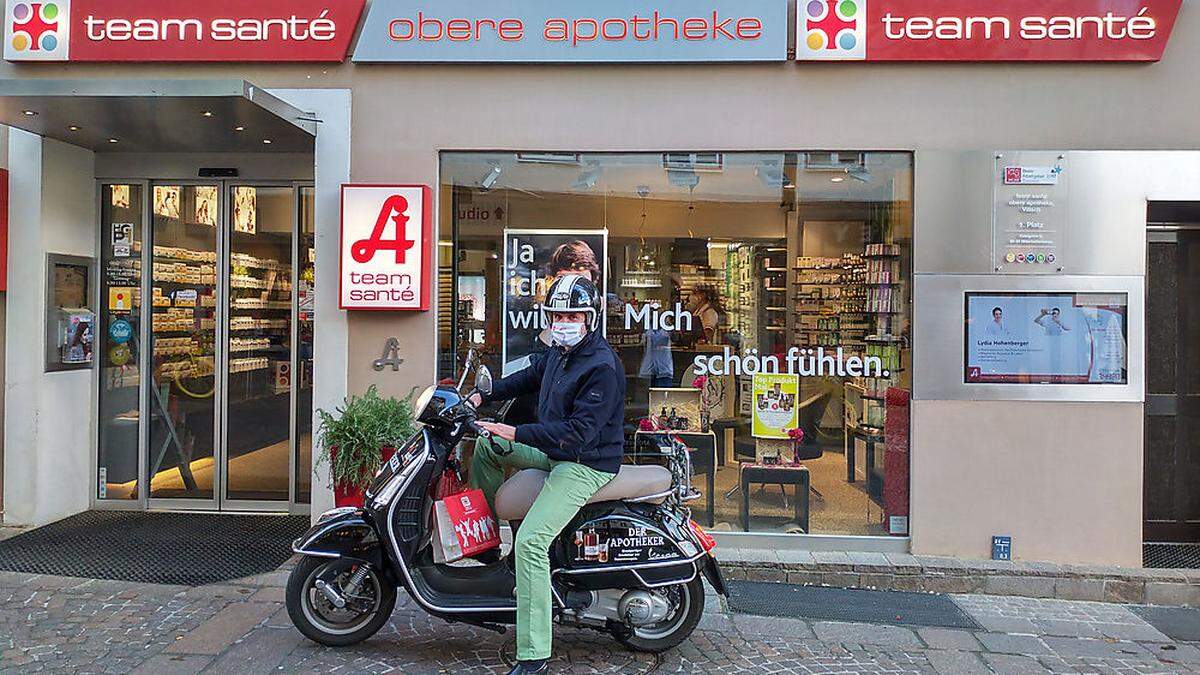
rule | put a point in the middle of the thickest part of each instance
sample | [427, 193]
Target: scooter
[630, 563]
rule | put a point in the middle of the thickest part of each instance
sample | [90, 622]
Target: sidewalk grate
[1177, 623]
[189, 549]
[821, 603]
[1171, 556]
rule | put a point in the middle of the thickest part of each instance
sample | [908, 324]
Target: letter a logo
[394, 209]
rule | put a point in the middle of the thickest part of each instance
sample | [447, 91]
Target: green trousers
[567, 489]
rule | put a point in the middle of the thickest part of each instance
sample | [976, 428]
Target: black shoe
[531, 668]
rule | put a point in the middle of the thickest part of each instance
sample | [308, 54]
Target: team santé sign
[179, 30]
[386, 263]
[969, 30]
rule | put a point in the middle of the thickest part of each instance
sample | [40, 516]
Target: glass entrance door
[199, 405]
[184, 284]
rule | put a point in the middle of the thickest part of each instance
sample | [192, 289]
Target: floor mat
[839, 604]
[189, 549]
[1177, 623]
[1171, 556]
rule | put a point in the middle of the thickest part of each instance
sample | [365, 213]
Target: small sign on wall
[1001, 547]
[386, 262]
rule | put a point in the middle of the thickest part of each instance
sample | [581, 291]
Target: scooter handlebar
[479, 431]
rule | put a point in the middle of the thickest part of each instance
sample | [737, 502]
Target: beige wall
[1064, 480]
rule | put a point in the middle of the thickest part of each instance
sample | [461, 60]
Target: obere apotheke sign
[179, 30]
[386, 262]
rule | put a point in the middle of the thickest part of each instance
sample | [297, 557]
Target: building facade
[1000, 248]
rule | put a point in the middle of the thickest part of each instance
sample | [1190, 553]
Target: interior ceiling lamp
[489, 180]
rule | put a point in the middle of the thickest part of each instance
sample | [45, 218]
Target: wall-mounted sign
[176, 30]
[541, 31]
[1030, 214]
[385, 251]
[969, 30]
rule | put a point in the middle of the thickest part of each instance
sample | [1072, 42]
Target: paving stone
[1128, 592]
[1028, 587]
[1182, 594]
[173, 664]
[1179, 653]
[259, 652]
[1091, 648]
[904, 563]
[866, 634]
[1007, 664]
[957, 663]
[770, 626]
[869, 562]
[1079, 589]
[828, 559]
[1007, 643]
[795, 558]
[949, 638]
[228, 625]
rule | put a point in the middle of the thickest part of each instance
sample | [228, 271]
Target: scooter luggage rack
[679, 463]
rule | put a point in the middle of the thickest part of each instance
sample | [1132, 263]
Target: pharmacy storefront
[884, 267]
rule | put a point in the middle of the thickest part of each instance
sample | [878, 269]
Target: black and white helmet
[573, 293]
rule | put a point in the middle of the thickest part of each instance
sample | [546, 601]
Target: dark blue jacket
[581, 403]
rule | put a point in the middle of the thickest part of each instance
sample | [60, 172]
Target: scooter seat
[516, 495]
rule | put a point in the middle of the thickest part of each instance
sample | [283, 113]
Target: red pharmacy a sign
[386, 246]
[179, 30]
[969, 30]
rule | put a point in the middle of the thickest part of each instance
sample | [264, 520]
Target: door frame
[219, 501]
[1157, 405]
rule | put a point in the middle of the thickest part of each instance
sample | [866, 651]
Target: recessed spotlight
[837, 179]
[29, 113]
[207, 113]
[266, 141]
[113, 140]
[74, 127]
[239, 128]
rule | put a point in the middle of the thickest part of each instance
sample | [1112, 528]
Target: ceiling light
[837, 179]
[113, 140]
[29, 113]
[74, 127]
[239, 128]
[207, 113]
[266, 141]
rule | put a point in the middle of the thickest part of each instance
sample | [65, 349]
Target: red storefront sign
[968, 30]
[179, 30]
[386, 248]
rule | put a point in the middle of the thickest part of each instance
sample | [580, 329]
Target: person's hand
[476, 399]
[505, 431]
[1045, 311]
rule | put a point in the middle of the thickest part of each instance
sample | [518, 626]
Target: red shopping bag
[463, 526]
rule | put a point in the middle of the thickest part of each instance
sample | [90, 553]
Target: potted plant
[360, 435]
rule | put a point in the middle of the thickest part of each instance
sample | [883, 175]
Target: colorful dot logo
[35, 27]
[832, 29]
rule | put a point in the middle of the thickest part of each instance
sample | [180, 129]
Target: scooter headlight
[423, 401]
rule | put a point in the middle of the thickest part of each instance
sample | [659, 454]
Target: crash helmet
[573, 293]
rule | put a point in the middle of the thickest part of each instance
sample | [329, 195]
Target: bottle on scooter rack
[631, 563]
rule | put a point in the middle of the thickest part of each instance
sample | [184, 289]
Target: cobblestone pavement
[54, 624]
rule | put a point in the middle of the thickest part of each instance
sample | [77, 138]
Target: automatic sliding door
[258, 423]
[182, 409]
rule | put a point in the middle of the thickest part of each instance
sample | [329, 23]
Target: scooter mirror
[483, 380]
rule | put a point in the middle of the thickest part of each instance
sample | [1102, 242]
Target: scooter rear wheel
[677, 627]
[319, 620]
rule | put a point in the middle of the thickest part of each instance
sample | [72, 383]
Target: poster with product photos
[205, 212]
[533, 259]
[166, 201]
[245, 210]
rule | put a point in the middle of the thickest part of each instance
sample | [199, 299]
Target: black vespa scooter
[630, 563]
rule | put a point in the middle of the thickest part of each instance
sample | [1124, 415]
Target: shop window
[70, 319]
[760, 303]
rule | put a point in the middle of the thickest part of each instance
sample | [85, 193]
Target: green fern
[359, 430]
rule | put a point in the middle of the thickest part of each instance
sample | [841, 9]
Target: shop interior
[766, 252]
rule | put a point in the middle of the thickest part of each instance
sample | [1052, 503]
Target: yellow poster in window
[120, 298]
[775, 406]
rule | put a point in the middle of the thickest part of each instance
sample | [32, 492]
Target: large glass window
[759, 301]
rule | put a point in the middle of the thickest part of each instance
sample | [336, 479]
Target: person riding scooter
[578, 439]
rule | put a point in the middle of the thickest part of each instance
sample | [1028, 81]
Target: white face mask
[567, 334]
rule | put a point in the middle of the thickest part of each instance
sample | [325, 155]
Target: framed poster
[533, 259]
[166, 201]
[206, 205]
[245, 209]
[776, 408]
[1046, 338]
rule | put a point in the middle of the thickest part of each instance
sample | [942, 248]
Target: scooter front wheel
[318, 585]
